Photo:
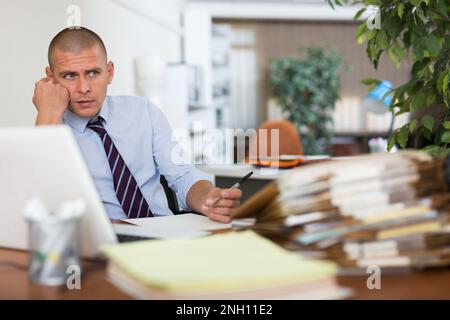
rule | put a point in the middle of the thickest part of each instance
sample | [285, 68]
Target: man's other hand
[51, 101]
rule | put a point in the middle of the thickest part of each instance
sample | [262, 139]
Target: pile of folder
[389, 210]
[234, 265]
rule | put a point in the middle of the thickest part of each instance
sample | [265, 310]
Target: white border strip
[276, 11]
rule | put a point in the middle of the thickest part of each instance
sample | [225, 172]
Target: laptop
[46, 162]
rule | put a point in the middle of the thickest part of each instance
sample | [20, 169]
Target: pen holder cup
[54, 247]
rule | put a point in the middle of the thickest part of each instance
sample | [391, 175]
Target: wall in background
[274, 39]
[129, 29]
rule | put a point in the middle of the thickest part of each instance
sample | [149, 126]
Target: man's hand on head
[220, 202]
[51, 101]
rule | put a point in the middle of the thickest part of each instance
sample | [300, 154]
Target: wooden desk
[14, 284]
[431, 284]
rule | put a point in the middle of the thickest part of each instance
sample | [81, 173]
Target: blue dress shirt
[143, 137]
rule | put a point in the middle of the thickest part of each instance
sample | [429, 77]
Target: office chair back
[172, 200]
[289, 138]
[171, 196]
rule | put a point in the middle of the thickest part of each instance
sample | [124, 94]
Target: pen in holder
[53, 241]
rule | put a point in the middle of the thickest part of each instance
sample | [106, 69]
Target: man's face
[86, 76]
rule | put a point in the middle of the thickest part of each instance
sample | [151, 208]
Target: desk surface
[14, 283]
[240, 170]
[259, 173]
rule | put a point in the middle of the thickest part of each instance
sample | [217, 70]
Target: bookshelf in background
[220, 56]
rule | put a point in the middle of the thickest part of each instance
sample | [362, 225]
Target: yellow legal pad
[231, 261]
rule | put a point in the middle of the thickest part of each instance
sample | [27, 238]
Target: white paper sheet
[155, 232]
[182, 222]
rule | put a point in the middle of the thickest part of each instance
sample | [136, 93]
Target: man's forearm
[197, 194]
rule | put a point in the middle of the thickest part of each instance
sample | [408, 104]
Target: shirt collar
[79, 123]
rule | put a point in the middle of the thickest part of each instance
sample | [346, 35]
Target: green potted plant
[418, 30]
[306, 89]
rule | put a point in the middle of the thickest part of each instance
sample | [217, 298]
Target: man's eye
[69, 76]
[93, 73]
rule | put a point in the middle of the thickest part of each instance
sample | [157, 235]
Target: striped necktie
[127, 190]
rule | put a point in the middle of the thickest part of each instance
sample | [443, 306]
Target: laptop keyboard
[130, 238]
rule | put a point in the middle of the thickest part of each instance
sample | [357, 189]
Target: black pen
[236, 185]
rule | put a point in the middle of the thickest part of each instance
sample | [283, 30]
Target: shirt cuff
[188, 181]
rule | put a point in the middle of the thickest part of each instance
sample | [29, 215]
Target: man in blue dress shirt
[126, 141]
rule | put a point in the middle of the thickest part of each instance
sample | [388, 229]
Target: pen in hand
[235, 186]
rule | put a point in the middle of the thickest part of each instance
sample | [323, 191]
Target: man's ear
[49, 74]
[110, 70]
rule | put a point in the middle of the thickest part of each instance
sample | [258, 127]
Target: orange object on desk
[282, 164]
[289, 143]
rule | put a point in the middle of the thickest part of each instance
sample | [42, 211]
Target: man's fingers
[43, 83]
[223, 197]
[220, 203]
[213, 196]
[212, 202]
[221, 210]
[231, 193]
[216, 210]
[43, 80]
[227, 203]
[219, 218]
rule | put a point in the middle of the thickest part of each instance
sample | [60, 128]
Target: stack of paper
[235, 265]
[340, 207]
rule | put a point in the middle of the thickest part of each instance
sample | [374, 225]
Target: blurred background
[214, 65]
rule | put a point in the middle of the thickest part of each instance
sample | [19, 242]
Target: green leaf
[391, 142]
[330, 3]
[445, 137]
[400, 91]
[387, 93]
[431, 149]
[441, 6]
[444, 152]
[371, 34]
[446, 125]
[427, 134]
[418, 50]
[361, 33]
[394, 57]
[383, 39]
[428, 122]
[403, 136]
[399, 51]
[433, 45]
[368, 82]
[359, 13]
[419, 101]
[442, 82]
[400, 10]
[412, 125]
[430, 98]
[421, 15]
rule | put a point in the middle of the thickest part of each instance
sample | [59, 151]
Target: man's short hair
[75, 40]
